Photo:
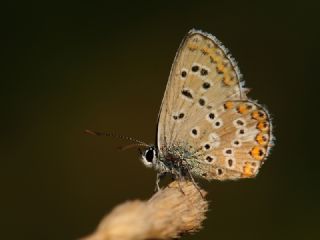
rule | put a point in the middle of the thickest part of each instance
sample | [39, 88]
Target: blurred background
[104, 66]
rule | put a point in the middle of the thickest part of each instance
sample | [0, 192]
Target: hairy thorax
[178, 160]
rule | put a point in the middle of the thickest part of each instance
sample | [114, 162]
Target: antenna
[108, 134]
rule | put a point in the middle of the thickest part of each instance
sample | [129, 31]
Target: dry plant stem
[166, 215]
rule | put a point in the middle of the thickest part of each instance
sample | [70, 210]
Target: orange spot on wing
[192, 47]
[228, 105]
[205, 50]
[247, 170]
[220, 68]
[228, 80]
[258, 153]
[259, 115]
[262, 139]
[242, 108]
[263, 126]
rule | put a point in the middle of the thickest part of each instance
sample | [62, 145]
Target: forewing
[202, 78]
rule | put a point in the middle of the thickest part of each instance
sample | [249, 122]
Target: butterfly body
[207, 126]
[175, 159]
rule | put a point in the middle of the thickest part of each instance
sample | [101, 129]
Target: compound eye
[149, 155]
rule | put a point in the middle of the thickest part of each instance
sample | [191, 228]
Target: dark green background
[72, 66]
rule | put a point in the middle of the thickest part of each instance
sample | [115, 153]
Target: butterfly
[207, 126]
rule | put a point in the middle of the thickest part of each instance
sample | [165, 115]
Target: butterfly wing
[193, 113]
[237, 146]
[202, 74]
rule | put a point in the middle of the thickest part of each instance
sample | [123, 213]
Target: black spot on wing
[186, 93]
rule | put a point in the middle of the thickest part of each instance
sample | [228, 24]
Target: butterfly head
[149, 156]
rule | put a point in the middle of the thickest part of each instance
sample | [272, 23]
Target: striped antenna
[108, 134]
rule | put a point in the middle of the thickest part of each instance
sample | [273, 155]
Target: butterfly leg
[159, 177]
[180, 188]
[194, 182]
[179, 177]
